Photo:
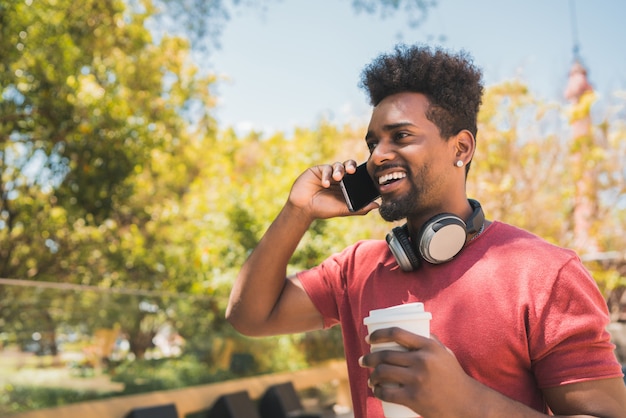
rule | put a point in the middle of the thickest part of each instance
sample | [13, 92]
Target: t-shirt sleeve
[323, 284]
[568, 338]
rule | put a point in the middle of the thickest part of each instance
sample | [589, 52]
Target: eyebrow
[389, 127]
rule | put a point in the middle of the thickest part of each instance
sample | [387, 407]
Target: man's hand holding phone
[323, 191]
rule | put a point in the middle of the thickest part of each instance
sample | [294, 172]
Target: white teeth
[391, 176]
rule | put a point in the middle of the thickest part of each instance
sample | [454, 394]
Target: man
[518, 324]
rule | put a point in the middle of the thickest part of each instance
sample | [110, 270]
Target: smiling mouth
[390, 178]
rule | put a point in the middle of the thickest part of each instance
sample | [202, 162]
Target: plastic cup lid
[397, 312]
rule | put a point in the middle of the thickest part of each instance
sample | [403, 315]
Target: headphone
[441, 238]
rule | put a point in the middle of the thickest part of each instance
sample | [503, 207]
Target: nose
[382, 153]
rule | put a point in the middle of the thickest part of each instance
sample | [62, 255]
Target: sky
[299, 61]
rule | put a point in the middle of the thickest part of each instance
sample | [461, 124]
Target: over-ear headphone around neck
[440, 239]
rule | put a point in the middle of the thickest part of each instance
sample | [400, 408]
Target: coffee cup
[410, 317]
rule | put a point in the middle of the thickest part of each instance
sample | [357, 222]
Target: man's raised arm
[263, 300]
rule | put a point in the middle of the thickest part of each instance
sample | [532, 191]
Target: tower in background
[580, 94]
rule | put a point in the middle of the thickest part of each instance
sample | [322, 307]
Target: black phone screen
[358, 189]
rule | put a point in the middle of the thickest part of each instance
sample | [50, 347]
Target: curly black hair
[450, 81]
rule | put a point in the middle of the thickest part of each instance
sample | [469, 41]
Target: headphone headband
[476, 219]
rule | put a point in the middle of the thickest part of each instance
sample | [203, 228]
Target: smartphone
[358, 189]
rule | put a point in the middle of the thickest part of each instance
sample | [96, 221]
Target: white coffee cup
[409, 316]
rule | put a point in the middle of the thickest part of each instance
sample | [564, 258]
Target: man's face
[409, 160]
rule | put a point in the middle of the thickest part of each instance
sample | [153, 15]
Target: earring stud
[459, 163]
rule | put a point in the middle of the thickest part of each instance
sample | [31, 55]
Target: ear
[464, 145]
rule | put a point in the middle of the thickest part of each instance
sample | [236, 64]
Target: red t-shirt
[519, 313]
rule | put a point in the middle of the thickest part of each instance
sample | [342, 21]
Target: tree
[89, 104]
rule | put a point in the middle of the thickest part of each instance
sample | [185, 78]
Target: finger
[394, 384]
[326, 175]
[338, 171]
[394, 393]
[390, 357]
[385, 374]
[350, 166]
[401, 336]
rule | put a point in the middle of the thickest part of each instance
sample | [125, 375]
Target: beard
[397, 209]
[411, 203]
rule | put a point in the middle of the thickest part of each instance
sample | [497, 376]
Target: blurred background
[145, 146]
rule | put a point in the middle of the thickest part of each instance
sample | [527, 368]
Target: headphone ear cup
[400, 245]
[442, 238]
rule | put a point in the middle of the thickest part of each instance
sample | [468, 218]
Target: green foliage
[15, 399]
[150, 375]
[323, 345]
